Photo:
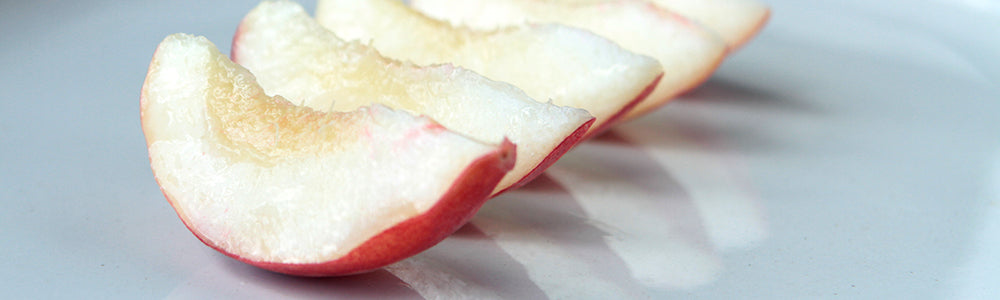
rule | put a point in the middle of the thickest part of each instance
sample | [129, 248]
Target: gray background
[869, 132]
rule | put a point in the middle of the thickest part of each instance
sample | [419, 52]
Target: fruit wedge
[295, 57]
[555, 63]
[299, 191]
[736, 21]
[688, 52]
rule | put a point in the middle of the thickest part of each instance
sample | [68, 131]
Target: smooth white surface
[850, 151]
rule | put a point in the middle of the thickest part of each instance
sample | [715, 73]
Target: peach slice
[567, 66]
[688, 52]
[295, 57]
[299, 191]
[736, 21]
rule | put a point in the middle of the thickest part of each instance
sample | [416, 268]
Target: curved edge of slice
[269, 183]
[600, 76]
[736, 21]
[688, 52]
[294, 56]
[407, 238]
[578, 136]
[567, 66]
[750, 34]
[623, 116]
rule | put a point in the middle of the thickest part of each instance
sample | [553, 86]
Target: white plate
[851, 150]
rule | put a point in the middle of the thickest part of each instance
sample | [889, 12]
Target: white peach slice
[293, 56]
[688, 51]
[299, 191]
[564, 65]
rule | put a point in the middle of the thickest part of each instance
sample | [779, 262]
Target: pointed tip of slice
[751, 32]
[578, 136]
[631, 111]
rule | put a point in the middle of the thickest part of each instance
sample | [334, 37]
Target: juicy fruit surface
[688, 52]
[295, 57]
[564, 65]
[264, 180]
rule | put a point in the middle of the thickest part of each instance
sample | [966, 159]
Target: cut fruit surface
[688, 52]
[564, 65]
[298, 191]
[295, 57]
[736, 21]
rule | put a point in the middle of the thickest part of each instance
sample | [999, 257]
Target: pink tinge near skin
[736, 21]
[567, 144]
[620, 116]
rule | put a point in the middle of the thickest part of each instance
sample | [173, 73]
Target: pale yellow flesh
[566, 66]
[266, 180]
[294, 56]
[688, 52]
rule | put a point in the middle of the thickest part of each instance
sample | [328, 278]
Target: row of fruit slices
[337, 176]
